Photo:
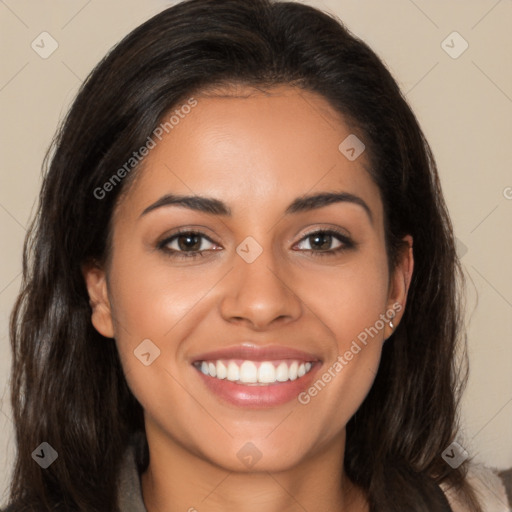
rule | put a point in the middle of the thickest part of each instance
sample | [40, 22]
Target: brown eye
[325, 242]
[187, 244]
[321, 241]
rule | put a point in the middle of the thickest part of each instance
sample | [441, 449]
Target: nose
[260, 293]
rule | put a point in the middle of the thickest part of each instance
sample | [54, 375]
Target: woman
[240, 288]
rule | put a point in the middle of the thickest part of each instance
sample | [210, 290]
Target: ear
[96, 282]
[399, 283]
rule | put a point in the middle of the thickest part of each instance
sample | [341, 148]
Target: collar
[129, 484]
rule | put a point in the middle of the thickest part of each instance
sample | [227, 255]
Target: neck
[178, 480]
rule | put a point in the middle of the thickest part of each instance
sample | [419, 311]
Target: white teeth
[233, 371]
[250, 373]
[292, 372]
[282, 372]
[266, 372]
[222, 371]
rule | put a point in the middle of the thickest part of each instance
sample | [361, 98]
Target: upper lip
[253, 352]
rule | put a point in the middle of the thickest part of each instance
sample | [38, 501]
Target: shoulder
[128, 483]
[488, 487]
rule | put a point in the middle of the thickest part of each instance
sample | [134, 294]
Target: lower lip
[258, 396]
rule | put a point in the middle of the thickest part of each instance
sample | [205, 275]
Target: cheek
[150, 298]
[151, 304]
[348, 298]
[349, 301]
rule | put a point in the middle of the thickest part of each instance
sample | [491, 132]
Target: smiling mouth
[255, 373]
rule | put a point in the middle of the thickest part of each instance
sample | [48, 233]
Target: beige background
[464, 106]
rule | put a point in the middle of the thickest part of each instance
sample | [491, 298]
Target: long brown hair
[68, 387]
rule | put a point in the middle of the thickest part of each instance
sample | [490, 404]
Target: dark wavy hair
[68, 386]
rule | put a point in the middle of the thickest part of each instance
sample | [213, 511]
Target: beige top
[488, 487]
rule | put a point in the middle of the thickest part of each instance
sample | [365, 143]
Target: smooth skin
[256, 152]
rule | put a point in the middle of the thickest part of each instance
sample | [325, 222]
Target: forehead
[253, 149]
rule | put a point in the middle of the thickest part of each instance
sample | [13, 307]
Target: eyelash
[347, 243]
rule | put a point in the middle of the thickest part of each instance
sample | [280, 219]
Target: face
[256, 311]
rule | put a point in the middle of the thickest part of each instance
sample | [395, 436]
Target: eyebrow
[299, 205]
